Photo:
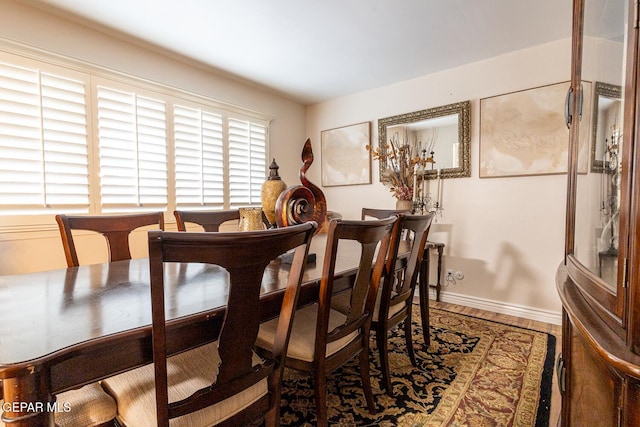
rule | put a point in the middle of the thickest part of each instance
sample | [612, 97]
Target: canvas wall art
[524, 133]
[345, 159]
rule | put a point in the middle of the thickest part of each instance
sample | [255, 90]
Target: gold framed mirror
[607, 115]
[440, 133]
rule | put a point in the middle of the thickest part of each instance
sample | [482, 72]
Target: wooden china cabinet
[599, 280]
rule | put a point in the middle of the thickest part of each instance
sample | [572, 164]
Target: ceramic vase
[250, 219]
[405, 205]
[271, 189]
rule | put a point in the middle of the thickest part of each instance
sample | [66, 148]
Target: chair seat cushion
[85, 407]
[303, 333]
[187, 372]
[342, 303]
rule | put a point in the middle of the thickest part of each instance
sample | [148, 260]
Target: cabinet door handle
[580, 102]
[568, 102]
[561, 372]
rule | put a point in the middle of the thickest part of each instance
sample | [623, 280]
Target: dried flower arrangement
[399, 163]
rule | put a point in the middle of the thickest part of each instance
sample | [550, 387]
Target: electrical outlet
[458, 275]
[449, 275]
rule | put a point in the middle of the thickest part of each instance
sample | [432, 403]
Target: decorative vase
[271, 189]
[404, 205]
[250, 219]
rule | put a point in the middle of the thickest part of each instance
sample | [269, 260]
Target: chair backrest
[382, 213]
[210, 220]
[374, 238]
[114, 228]
[400, 278]
[245, 256]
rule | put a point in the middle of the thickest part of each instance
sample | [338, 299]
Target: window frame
[15, 53]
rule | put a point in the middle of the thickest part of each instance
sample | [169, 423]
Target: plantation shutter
[43, 140]
[72, 141]
[133, 149]
[199, 157]
[247, 161]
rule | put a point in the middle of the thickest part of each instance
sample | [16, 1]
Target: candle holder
[423, 202]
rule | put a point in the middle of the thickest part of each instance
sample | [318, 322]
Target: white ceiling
[314, 50]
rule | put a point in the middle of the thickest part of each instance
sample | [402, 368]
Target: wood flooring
[555, 330]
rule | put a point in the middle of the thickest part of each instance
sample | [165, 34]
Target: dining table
[62, 329]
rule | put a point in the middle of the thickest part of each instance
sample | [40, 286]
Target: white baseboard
[547, 316]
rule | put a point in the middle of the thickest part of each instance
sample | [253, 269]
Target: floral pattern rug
[474, 373]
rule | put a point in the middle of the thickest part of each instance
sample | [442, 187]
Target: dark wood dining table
[62, 329]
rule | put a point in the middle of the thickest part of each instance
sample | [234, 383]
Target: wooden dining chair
[91, 405]
[395, 296]
[382, 213]
[323, 339]
[224, 382]
[210, 220]
[114, 228]
[395, 301]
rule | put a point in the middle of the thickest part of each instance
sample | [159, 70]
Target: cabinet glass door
[599, 167]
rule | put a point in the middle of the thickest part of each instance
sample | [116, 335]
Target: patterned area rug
[475, 373]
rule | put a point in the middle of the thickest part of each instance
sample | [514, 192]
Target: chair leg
[366, 379]
[272, 418]
[320, 384]
[383, 351]
[408, 337]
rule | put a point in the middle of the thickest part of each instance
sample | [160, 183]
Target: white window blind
[76, 142]
[199, 153]
[247, 161]
[43, 140]
[133, 149]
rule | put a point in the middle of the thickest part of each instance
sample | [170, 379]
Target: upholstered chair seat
[187, 372]
[303, 334]
[342, 303]
[88, 406]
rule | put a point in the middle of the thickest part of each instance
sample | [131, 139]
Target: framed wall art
[345, 159]
[524, 133]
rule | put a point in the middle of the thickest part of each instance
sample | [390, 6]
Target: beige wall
[505, 234]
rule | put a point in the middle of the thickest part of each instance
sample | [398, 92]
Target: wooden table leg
[438, 282]
[27, 402]
[423, 287]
